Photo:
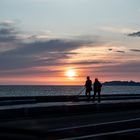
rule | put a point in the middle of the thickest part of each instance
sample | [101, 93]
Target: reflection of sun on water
[70, 73]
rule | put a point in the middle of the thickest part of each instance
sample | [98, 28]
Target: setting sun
[70, 73]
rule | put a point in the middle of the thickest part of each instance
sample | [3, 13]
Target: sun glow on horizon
[71, 73]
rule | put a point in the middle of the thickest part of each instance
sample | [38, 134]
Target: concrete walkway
[70, 104]
[31, 109]
[69, 119]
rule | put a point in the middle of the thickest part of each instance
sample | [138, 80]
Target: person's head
[96, 79]
[88, 77]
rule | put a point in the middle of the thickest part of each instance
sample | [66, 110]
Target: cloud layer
[32, 52]
[23, 54]
[134, 34]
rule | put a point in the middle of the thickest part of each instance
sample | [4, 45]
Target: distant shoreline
[121, 83]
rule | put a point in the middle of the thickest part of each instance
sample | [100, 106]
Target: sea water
[43, 90]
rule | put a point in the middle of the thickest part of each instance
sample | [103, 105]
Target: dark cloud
[55, 45]
[45, 53]
[32, 53]
[120, 51]
[16, 62]
[12, 61]
[7, 38]
[35, 52]
[110, 49]
[135, 50]
[8, 32]
[30, 72]
[135, 34]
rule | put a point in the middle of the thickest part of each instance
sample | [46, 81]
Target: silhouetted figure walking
[97, 89]
[88, 85]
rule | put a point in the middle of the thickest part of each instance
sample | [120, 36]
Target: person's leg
[94, 95]
[99, 98]
[86, 93]
[89, 95]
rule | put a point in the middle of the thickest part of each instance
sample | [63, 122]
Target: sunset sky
[61, 42]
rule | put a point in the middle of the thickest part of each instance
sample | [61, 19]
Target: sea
[45, 90]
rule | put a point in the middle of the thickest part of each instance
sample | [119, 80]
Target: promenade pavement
[69, 119]
[52, 108]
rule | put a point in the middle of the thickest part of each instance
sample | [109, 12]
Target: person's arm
[100, 84]
[85, 84]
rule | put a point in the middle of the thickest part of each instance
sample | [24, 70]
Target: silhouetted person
[88, 85]
[97, 89]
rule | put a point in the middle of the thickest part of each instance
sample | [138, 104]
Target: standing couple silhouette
[96, 88]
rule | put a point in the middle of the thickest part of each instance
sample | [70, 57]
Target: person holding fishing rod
[88, 86]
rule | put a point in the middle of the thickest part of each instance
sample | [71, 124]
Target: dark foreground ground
[113, 118]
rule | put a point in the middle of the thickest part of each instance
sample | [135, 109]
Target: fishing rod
[76, 97]
[81, 91]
